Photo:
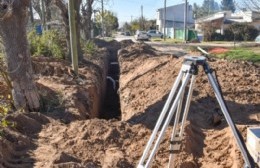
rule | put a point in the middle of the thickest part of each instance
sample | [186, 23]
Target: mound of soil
[67, 97]
[64, 134]
[218, 50]
[145, 82]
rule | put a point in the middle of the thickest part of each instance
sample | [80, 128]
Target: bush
[49, 44]
[242, 31]
[90, 48]
[217, 37]
[250, 33]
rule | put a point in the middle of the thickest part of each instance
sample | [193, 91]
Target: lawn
[247, 54]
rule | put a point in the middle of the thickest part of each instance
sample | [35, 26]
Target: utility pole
[142, 17]
[164, 24]
[73, 36]
[185, 21]
[102, 18]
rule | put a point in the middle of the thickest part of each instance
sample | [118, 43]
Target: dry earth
[67, 132]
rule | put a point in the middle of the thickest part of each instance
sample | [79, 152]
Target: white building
[223, 19]
[174, 17]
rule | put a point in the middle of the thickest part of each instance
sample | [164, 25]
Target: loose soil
[68, 133]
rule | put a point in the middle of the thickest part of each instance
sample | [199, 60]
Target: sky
[131, 9]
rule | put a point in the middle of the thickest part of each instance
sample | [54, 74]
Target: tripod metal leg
[184, 117]
[167, 121]
[228, 118]
[187, 106]
[176, 122]
[162, 116]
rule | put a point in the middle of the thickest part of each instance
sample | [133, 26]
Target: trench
[111, 104]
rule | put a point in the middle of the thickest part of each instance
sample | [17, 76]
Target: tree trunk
[13, 32]
[65, 19]
[31, 14]
[37, 7]
[77, 4]
[87, 13]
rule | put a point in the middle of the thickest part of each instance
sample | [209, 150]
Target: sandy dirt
[67, 133]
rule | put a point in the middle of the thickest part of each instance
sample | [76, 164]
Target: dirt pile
[67, 97]
[64, 136]
[145, 82]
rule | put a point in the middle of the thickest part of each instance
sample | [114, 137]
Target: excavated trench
[111, 104]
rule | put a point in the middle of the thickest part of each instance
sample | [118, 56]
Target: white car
[155, 33]
[141, 35]
[257, 39]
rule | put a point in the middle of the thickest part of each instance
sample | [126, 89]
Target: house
[221, 20]
[174, 18]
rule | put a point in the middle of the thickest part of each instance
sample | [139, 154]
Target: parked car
[257, 39]
[141, 35]
[154, 33]
[127, 33]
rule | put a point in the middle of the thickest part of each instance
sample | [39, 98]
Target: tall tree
[228, 5]
[110, 22]
[252, 5]
[87, 11]
[13, 21]
[208, 7]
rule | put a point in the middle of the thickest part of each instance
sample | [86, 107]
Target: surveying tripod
[188, 71]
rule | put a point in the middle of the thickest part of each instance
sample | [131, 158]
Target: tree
[208, 7]
[63, 7]
[228, 5]
[110, 22]
[252, 5]
[87, 11]
[13, 32]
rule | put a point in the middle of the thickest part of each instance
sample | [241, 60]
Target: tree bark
[86, 21]
[37, 7]
[77, 4]
[65, 19]
[13, 32]
[48, 10]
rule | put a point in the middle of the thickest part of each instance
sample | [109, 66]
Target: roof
[215, 16]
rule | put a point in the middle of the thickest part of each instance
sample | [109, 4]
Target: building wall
[174, 17]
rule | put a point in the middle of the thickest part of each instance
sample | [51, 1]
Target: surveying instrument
[188, 72]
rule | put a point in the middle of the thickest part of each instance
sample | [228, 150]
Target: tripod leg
[185, 113]
[234, 130]
[167, 121]
[187, 106]
[162, 116]
[176, 122]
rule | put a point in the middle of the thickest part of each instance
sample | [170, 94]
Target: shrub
[250, 33]
[49, 44]
[90, 48]
[217, 37]
[242, 31]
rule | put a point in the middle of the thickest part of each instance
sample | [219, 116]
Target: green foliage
[217, 37]
[228, 5]
[4, 109]
[241, 54]
[110, 22]
[49, 44]
[208, 7]
[90, 48]
[240, 32]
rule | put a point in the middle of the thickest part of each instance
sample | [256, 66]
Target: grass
[245, 54]
[167, 40]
